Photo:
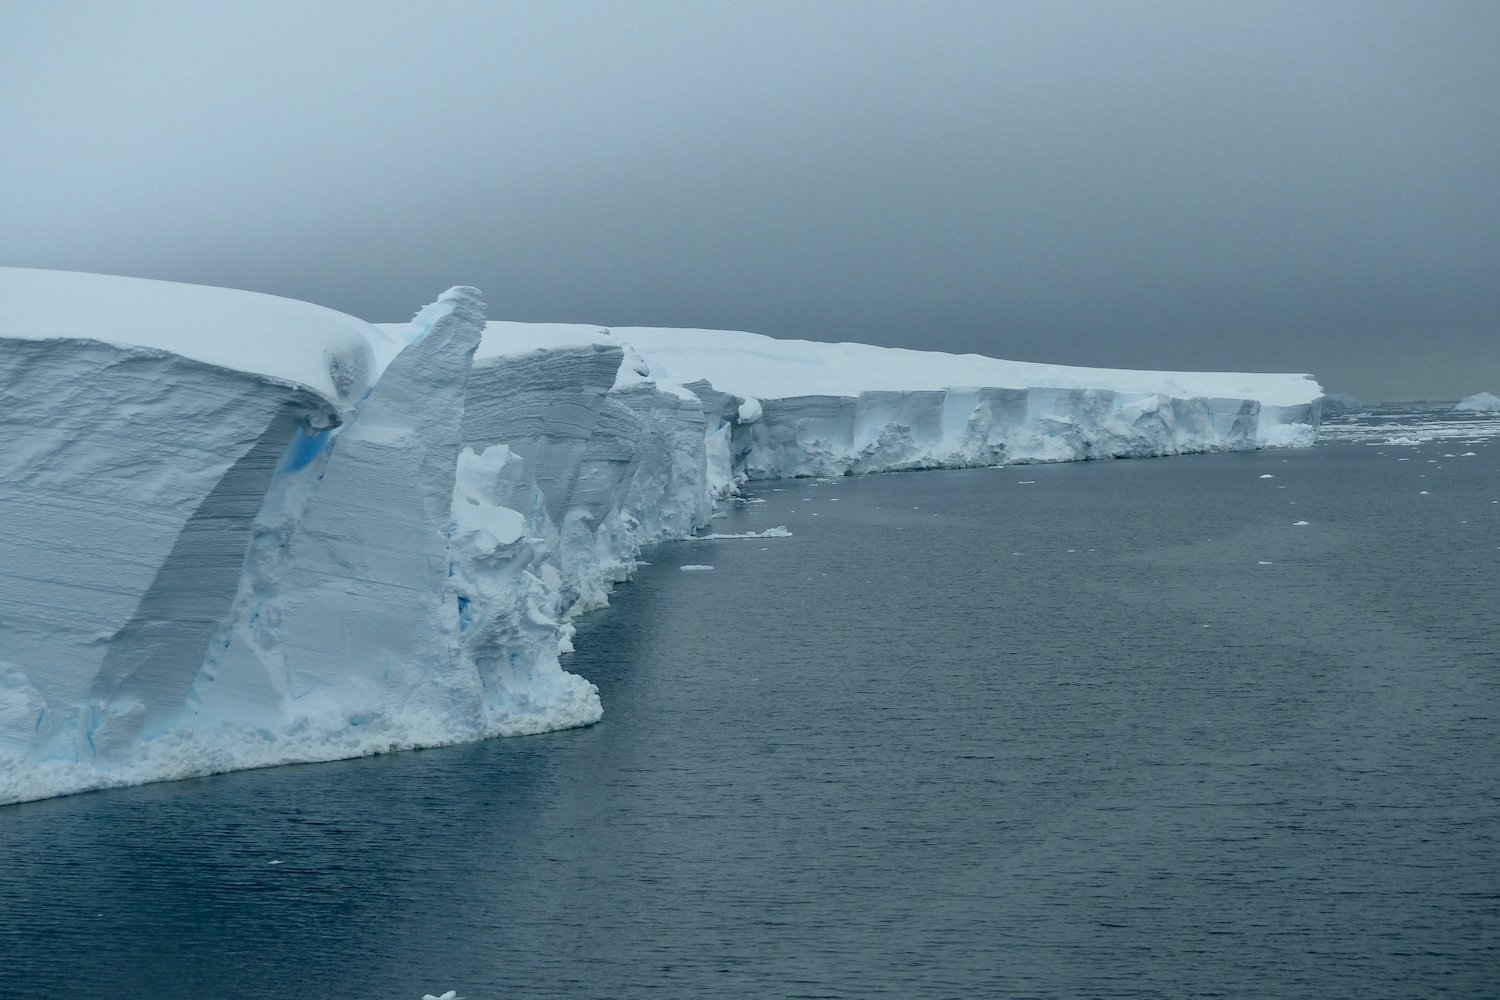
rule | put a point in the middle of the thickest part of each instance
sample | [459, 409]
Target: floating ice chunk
[780, 531]
[1265, 562]
[1299, 524]
[450, 995]
[1423, 494]
[694, 569]
[1267, 475]
[1025, 482]
[1480, 402]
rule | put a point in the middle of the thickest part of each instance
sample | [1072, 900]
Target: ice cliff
[798, 408]
[237, 530]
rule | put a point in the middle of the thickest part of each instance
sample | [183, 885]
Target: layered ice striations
[238, 531]
[129, 485]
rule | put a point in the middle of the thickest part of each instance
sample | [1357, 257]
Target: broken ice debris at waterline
[780, 531]
[333, 538]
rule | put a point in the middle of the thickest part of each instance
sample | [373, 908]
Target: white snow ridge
[238, 530]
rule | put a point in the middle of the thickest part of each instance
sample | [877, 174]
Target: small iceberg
[1480, 402]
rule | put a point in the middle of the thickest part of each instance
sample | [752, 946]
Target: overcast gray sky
[1303, 186]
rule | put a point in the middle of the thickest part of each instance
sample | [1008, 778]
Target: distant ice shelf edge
[239, 531]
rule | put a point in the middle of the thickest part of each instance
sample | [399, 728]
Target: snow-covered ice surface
[238, 531]
[279, 340]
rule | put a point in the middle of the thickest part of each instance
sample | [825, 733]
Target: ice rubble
[237, 530]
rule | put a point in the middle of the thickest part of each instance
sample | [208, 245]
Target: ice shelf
[238, 531]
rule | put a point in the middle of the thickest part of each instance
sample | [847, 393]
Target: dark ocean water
[1101, 729]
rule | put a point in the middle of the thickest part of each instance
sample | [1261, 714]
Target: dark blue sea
[1106, 729]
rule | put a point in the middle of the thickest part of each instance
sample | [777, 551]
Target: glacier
[238, 530]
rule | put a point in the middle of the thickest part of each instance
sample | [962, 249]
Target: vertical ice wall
[343, 618]
[884, 431]
[795, 408]
[601, 461]
[217, 555]
[129, 481]
[284, 587]
[204, 570]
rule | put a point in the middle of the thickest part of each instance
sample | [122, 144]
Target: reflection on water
[1119, 728]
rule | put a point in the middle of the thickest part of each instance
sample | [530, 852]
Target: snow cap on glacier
[752, 365]
[278, 339]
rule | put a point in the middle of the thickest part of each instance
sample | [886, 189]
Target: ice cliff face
[798, 408]
[376, 544]
[129, 485]
[603, 462]
[238, 531]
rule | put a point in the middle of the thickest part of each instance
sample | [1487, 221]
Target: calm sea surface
[1101, 729]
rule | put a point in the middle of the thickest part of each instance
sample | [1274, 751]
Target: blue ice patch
[303, 449]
